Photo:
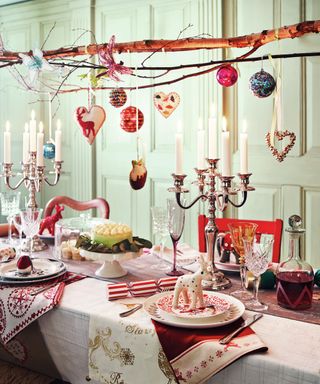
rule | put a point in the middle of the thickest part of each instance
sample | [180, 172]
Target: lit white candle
[7, 144]
[212, 150]
[33, 132]
[179, 150]
[40, 139]
[225, 150]
[57, 140]
[201, 164]
[26, 142]
[244, 149]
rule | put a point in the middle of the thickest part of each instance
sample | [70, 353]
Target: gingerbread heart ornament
[280, 135]
[166, 104]
[90, 121]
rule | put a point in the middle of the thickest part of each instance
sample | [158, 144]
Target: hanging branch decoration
[166, 103]
[90, 121]
[63, 57]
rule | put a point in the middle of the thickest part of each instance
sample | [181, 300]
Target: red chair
[99, 203]
[268, 227]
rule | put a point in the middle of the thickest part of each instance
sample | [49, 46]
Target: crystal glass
[257, 255]
[10, 202]
[160, 228]
[241, 231]
[176, 218]
[30, 224]
[16, 219]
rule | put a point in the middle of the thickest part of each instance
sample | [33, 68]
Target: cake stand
[111, 266]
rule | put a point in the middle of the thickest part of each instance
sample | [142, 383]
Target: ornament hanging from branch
[227, 76]
[138, 174]
[131, 119]
[166, 104]
[90, 121]
[262, 84]
[117, 97]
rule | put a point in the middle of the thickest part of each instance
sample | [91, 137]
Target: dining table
[58, 343]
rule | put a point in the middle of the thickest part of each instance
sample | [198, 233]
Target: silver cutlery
[42, 289]
[246, 323]
[130, 311]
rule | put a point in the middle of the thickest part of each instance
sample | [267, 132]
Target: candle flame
[33, 115]
[26, 127]
[7, 126]
[224, 124]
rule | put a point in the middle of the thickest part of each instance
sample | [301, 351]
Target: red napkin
[195, 354]
[18, 308]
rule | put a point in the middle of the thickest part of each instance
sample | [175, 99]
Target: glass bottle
[294, 275]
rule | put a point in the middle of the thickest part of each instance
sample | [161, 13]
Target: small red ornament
[128, 118]
[24, 265]
[138, 174]
[117, 97]
[227, 76]
[50, 221]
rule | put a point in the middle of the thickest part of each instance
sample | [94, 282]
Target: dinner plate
[32, 281]
[214, 306]
[235, 311]
[43, 268]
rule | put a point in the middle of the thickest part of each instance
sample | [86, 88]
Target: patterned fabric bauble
[49, 151]
[227, 76]
[128, 119]
[117, 97]
[262, 84]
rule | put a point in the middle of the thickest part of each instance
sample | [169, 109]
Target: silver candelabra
[217, 199]
[33, 176]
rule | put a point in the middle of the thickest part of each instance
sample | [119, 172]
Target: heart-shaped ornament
[90, 121]
[166, 104]
[280, 135]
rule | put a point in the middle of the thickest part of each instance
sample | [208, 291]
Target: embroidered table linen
[198, 355]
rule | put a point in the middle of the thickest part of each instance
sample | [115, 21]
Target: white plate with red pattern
[234, 312]
[213, 306]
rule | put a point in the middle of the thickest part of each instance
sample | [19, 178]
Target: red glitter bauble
[117, 97]
[128, 119]
[227, 76]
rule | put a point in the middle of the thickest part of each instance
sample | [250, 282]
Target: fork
[130, 311]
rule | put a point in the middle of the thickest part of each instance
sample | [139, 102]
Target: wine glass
[17, 224]
[30, 224]
[176, 218]
[10, 202]
[257, 259]
[160, 227]
[241, 231]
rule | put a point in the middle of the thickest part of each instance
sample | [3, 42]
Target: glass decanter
[294, 275]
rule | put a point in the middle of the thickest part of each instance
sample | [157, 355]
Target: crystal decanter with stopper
[294, 275]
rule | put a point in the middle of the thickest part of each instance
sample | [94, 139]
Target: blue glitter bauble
[262, 84]
[49, 151]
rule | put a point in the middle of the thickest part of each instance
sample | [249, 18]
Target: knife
[226, 339]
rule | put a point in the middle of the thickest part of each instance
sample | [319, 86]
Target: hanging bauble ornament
[138, 174]
[166, 104]
[90, 121]
[128, 119]
[117, 97]
[262, 84]
[227, 76]
[49, 150]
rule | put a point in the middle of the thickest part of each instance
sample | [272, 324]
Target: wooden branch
[254, 40]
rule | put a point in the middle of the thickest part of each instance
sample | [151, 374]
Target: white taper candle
[212, 137]
[40, 139]
[225, 150]
[244, 149]
[7, 144]
[26, 144]
[201, 164]
[33, 132]
[179, 149]
[57, 140]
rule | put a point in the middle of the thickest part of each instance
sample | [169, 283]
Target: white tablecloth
[293, 356]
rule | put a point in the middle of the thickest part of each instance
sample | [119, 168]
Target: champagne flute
[160, 227]
[241, 231]
[257, 259]
[10, 202]
[176, 224]
[30, 224]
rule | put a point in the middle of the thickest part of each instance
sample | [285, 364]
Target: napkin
[140, 288]
[18, 308]
[195, 354]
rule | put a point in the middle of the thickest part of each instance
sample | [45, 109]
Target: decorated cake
[111, 233]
